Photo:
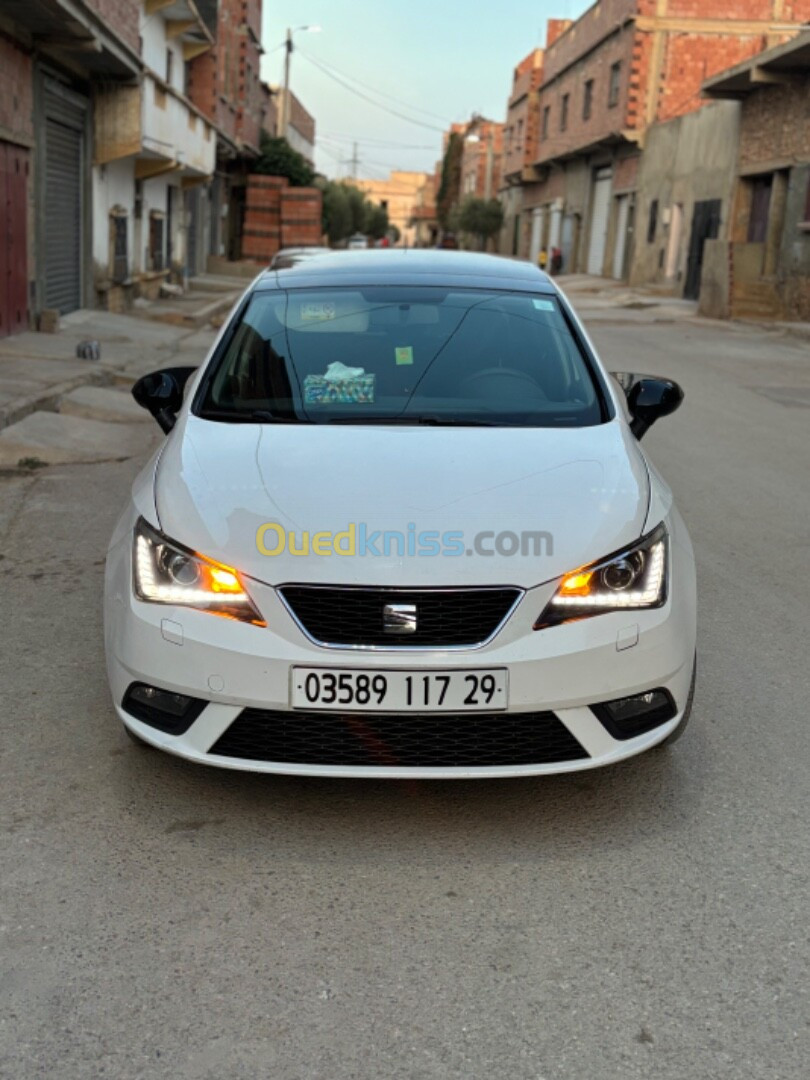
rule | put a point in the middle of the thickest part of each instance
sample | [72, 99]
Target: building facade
[622, 67]
[683, 197]
[401, 195]
[53, 60]
[300, 124]
[481, 160]
[521, 133]
[761, 268]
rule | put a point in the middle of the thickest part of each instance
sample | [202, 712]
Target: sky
[437, 61]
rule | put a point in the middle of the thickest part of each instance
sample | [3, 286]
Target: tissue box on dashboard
[356, 391]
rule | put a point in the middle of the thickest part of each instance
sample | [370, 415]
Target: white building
[155, 154]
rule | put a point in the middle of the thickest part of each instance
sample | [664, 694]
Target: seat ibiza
[401, 525]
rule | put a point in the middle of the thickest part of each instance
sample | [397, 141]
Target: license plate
[372, 690]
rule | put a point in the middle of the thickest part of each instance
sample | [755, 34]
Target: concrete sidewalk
[55, 407]
[605, 300]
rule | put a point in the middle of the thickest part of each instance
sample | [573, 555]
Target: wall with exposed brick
[523, 114]
[598, 22]
[776, 125]
[605, 120]
[278, 215]
[16, 92]
[689, 59]
[121, 17]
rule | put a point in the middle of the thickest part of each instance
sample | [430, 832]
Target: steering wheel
[509, 373]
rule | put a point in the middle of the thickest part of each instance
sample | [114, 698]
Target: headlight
[166, 573]
[632, 579]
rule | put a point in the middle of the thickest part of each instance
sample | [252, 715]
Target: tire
[676, 733]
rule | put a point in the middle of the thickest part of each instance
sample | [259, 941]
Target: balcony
[157, 126]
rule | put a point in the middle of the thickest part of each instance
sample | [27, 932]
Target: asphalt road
[649, 920]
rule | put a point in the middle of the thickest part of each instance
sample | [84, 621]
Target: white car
[401, 525]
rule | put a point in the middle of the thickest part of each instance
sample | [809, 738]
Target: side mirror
[161, 393]
[648, 399]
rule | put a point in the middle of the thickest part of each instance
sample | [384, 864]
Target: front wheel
[676, 733]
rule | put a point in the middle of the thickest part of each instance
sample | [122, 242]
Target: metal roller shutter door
[599, 220]
[64, 161]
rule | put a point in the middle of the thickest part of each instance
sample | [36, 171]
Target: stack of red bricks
[278, 216]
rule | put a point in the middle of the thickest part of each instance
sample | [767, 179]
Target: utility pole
[285, 102]
[354, 161]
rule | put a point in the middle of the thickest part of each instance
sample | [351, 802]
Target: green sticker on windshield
[404, 354]
[544, 305]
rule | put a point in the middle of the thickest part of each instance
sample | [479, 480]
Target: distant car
[288, 257]
[402, 526]
[357, 242]
[448, 242]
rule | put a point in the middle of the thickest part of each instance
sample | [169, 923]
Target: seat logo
[399, 618]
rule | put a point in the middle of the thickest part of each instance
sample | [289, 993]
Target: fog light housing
[162, 709]
[627, 717]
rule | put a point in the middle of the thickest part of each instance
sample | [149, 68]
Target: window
[652, 224]
[546, 115]
[118, 246]
[169, 66]
[564, 112]
[519, 145]
[587, 101]
[806, 220]
[274, 368]
[156, 218]
[615, 83]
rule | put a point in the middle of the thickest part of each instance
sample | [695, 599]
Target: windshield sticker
[404, 354]
[327, 390]
[544, 305]
[313, 312]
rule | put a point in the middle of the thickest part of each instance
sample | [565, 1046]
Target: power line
[358, 93]
[382, 143]
[374, 90]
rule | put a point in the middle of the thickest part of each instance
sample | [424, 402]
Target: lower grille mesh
[404, 740]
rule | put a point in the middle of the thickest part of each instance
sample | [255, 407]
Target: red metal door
[13, 260]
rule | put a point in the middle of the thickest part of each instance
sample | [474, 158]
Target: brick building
[481, 161]
[762, 268]
[300, 124]
[53, 58]
[225, 85]
[521, 133]
[623, 66]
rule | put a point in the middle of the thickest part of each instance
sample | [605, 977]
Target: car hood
[586, 490]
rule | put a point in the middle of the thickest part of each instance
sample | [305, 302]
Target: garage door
[64, 198]
[13, 248]
[619, 248]
[599, 220]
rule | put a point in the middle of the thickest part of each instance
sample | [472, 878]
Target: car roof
[409, 266]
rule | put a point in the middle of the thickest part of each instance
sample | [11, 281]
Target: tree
[346, 211]
[376, 221]
[277, 158]
[480, 217]
[450, 185]
[337, 212]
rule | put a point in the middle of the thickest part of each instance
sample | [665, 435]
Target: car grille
[446, 618]
[401, 740]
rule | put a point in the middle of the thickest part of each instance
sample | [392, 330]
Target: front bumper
[562, 670]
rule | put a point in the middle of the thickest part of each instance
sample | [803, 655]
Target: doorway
[705, 226]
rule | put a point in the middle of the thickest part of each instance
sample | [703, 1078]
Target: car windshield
[407, 355]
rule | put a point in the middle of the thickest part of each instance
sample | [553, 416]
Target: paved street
[164, 920]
